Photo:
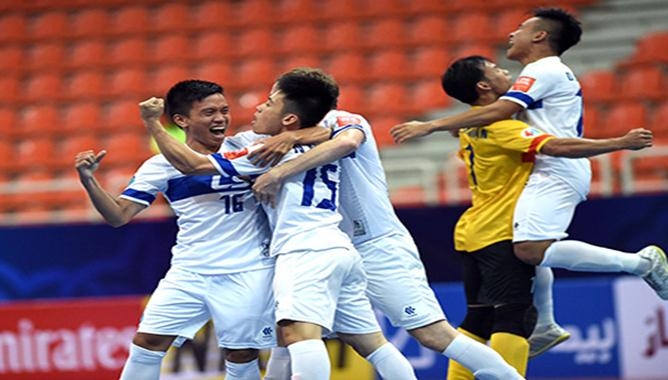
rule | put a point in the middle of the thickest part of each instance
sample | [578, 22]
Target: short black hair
[460, 79]
[180, 98]
[563, 28]
[309, 93]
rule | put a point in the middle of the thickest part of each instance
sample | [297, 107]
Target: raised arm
[267, 185]
[635, 139]
[115, 211]
[476, 117]
[184, 159]
[275, 147]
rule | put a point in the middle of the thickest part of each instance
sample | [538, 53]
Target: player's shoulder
[240, 140]
[342, 118]
[512, 128]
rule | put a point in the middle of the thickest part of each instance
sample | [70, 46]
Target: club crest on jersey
[235, 154]
[523, 84]
[530, 132]
[342, 121]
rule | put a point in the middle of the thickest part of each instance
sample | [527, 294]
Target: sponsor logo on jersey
[523, 84]
[342, 121]
[235, 154]
[530, 132]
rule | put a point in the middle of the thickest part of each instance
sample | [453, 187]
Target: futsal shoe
[545, 337]
[657, 276]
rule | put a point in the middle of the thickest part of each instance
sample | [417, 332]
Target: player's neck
[536, 54]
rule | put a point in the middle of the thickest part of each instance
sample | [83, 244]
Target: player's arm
[476, 117]
[275, 147]
[184, 159]
[267, 185]
[635, 139]
[115, 211]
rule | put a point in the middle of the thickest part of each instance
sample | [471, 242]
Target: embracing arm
[635, 139]
[275, 147]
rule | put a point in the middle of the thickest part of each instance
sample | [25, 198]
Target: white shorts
[326, 288]
[544, 210]
[397, 281]
[241, 306]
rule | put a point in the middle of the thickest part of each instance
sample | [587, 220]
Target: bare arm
[184, 159]
[275, 147]
[267, 185]
[635, 139]
[477, 117]
[115, 211]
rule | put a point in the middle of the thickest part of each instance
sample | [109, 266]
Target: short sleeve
[146, 183]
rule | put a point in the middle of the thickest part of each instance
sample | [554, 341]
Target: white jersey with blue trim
[305, 217]
[221, 228]
[552, 101]
[365, 202]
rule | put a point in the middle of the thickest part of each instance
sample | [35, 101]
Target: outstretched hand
[87, 162]
[637, 139]
[152, 109]
[409, 130]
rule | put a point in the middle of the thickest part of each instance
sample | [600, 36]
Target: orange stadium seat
[38, 119]
[429, 6]
[381, 126]
[352, 99]
[43, 86]
[507, 22]
[469, 27]
[121, 116]
[427, 95]
[46, 56]
[212, 14]
[171, 48]
[211, 45]
[430, 62]
[172, 17]
[7, 156]
[255, 73]
[130, 19]
[49, 25]
[36, 152]
[86, 85]
[347, 67]
[659, 121]
[219, 72]
[298, 39]
[388, 98]
[625, 116]
[430, 30]
[287, 11]
[128, 82]
[342, 36]
[80, 117]
[90, 23]
[13, 27]
[483, 49]
[644, 83]
[389, 65]
[593, 123]
[252, 13]
[337, 10]
[127, 148]
[129, 51]
[292, 61]
[652, 48]
[8, 121]
[87, 53]
[71, 146]
[10, 89]
[380, 9]
[384, 33]
[255, 42]
[13, 60]
[165, 77]
[599, 86]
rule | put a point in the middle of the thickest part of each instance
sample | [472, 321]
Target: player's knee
[479, 321]
[153, 342]
[528, 253]
[241, 356]
[515, 318]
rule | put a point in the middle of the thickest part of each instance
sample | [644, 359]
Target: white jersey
[552, 98]
[306, 216]
[365, 203]
[222, 229]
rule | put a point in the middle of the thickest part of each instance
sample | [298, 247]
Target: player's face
[520, 40]
[497, 78]
[207, 121]
[268, 118]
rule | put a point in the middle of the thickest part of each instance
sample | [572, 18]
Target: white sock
[542, 296]
[310, 360]
[278, 367]
[142, 364]
[390, 363]
[242, 371]
[482, 361]
[578, 256]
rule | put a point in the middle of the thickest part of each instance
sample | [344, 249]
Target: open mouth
[218, 130]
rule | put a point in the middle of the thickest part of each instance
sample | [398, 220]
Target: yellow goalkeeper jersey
[498, 159]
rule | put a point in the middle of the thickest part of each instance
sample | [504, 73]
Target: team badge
[342, 121]
[523, 84]
[530, 132]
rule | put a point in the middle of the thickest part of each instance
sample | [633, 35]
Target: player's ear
[540, 36]
[483, 85]
[180, 120]
[289, 119]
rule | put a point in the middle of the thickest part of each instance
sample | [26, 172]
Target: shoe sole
[663, 260]
[560, 339]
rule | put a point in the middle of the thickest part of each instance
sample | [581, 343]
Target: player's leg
[174, 309]
[547, 332]
[243, 319]
[278, 367]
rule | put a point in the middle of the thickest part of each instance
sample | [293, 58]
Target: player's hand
[152, 109]
[87, 162]
[272, 150]
[639, 138]
[409, 130]
[266, 187]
